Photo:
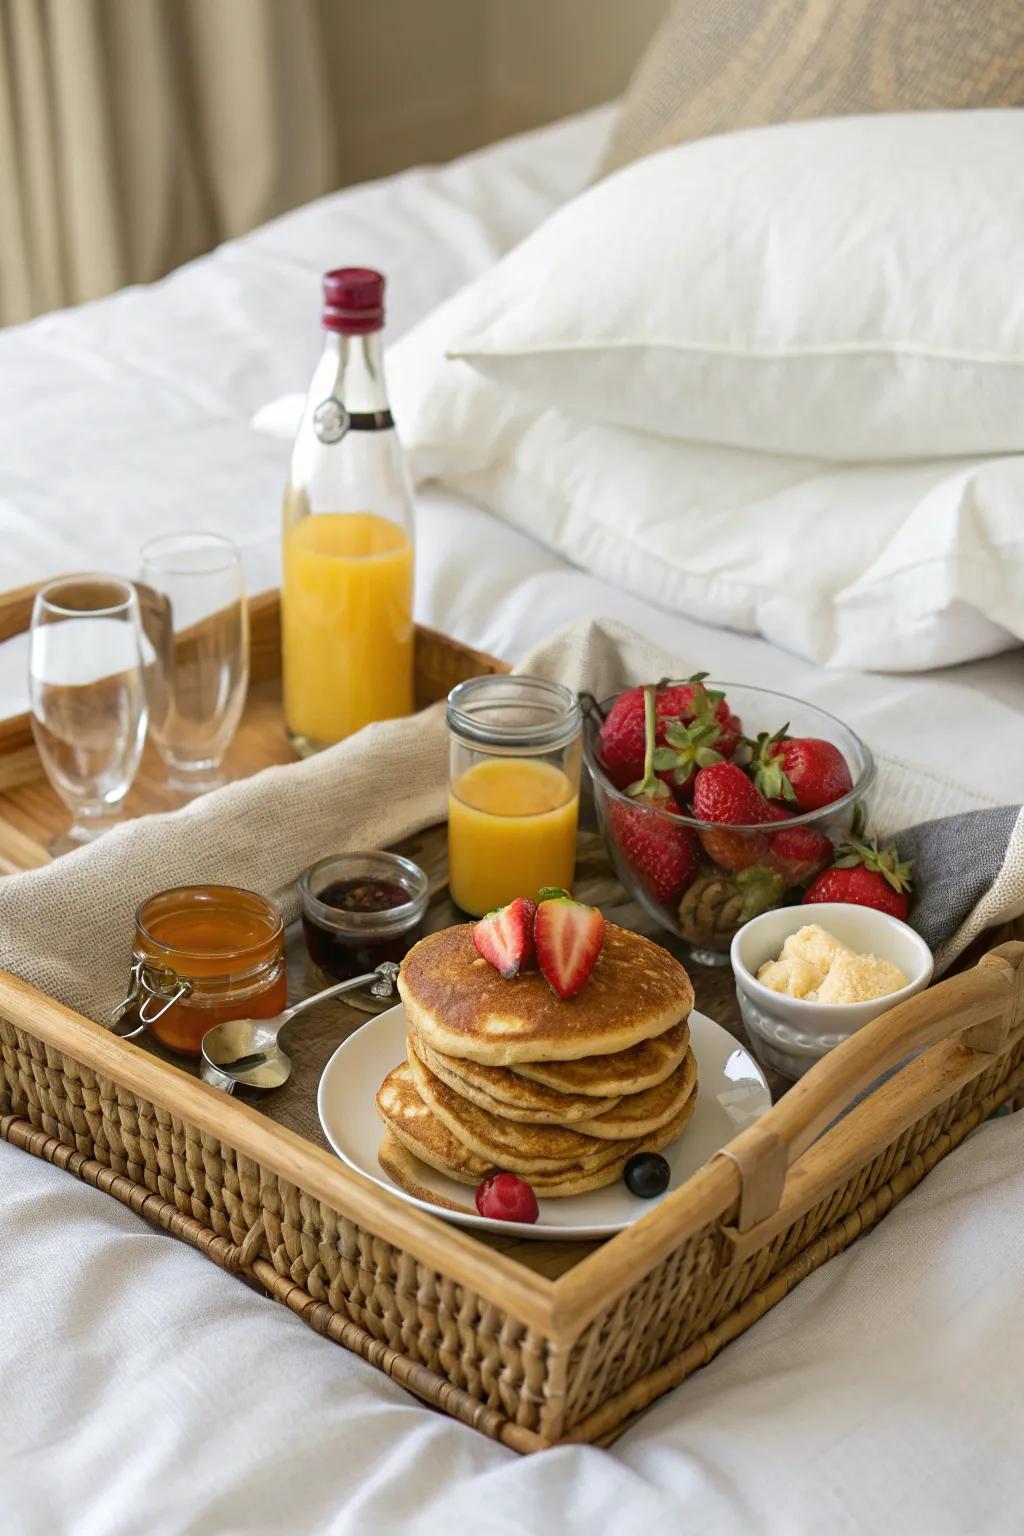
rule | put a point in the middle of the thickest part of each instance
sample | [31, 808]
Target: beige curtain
[135, 134]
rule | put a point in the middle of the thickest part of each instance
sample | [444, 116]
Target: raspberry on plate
[506, 1197]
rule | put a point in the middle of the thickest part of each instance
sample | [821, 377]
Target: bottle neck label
[331, 421]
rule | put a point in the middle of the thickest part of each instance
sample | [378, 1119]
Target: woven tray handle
[983, 1006]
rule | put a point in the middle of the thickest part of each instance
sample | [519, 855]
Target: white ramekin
[792, 1033]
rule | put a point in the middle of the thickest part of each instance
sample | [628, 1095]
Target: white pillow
[896, 567]
[851, 289]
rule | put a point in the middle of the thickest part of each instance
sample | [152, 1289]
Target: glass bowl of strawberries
[720, 801]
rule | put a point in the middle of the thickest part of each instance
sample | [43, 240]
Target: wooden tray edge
[415, 1377]
[521, 1292]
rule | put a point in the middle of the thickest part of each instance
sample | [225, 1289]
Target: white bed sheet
[145, 1391]
[142, 1389]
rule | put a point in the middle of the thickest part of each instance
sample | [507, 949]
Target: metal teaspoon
[246, 1050]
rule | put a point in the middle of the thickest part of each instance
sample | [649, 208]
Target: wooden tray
[31, 813]
[534, 1344]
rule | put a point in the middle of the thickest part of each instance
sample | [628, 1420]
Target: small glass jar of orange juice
[513, 789]
[203, 954]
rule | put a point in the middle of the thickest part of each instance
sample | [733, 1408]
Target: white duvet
[143, 1390]
[147, 1392]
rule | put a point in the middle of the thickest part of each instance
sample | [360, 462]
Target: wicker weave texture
[693, 1291]
[448, 1344]
[415, 1311]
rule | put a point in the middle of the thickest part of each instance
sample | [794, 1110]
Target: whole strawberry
[723, 793]
[806, 771]
[685, 703]
[665, 855]
[798, 853]
[868, 877]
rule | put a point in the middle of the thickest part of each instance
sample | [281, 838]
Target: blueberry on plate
[646, 1175]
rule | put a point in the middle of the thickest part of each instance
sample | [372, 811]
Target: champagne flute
[197, 620]
[88, 697]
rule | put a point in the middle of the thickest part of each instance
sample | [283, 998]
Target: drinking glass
[199, 625]
[88, 696]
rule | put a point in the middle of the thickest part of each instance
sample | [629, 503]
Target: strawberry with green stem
[868, 877]
[723, 793]
[806, 771]
[662, 853]
[684, 704]
[687, 749]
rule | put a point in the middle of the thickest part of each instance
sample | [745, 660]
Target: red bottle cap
[353, 300]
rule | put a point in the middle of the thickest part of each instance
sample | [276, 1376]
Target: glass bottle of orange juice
[347, 557]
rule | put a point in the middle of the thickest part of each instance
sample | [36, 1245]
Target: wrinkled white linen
[146, 1390]
[880, 567]
[845, 288]
[688, 384]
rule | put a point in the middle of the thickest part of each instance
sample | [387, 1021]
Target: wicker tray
[573, 1347]
[31, 813]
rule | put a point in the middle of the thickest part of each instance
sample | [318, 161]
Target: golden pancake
[630, 1071]
[406, 1171]
[658, 1140]
[410, 1121]
[640, 1114]
[401, 1155]
[402, 1164]
[500, 1091]
[526, 1149]
[462, 1006]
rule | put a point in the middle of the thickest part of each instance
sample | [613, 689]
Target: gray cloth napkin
[67, 928]
[968, 864]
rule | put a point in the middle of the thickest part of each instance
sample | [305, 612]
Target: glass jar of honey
[203, 954]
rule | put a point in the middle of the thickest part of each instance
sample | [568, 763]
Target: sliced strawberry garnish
[568, 936]
[505, 936]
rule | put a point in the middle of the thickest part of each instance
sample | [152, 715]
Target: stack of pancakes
[504, 1075]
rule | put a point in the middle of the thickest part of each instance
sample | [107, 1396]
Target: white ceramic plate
[733, 1093]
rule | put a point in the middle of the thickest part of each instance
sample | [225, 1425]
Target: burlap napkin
[67, 928]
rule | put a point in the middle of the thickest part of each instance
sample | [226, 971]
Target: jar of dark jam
[359, 909]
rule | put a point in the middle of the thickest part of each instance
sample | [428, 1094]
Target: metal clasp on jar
[152, 990]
